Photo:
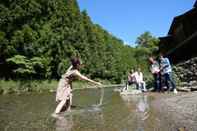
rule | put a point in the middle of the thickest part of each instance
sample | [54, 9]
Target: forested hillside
[37, 38]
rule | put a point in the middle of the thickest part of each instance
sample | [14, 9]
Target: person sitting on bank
[131, 79]
[166, 72]
[141, 85]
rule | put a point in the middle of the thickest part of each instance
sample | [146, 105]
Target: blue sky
[127, 19]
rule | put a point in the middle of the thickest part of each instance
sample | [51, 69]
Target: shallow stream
[93, 110]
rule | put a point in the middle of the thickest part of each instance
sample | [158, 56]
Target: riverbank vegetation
[38, 37]
[17, 86]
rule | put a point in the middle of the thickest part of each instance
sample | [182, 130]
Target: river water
[93, 110]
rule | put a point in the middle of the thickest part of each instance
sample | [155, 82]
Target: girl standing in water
[64, 90]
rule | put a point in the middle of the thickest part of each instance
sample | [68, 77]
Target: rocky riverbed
[180, 109]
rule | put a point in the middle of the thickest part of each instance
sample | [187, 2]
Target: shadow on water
[94, 110]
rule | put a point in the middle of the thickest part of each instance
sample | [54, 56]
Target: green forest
[38, 38]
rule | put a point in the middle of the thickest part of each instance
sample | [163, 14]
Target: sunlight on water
[93, 110]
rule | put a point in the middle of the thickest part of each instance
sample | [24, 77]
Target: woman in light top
[139, 80]
[64, 89]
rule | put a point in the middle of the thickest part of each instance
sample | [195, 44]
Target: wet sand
[180, 109]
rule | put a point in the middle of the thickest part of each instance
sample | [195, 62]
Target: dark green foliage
[37, 38]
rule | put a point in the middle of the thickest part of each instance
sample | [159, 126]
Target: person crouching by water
[64, 89]
[154, 68]
[166, 72]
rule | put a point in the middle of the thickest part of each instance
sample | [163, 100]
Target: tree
[38, 37]
[146, 40]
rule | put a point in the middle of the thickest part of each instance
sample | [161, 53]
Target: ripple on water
[114, 113]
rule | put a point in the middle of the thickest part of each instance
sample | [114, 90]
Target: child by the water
[64, 89]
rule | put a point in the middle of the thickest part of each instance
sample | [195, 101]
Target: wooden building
[181, 42]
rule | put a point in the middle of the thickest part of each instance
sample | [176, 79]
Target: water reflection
[80, 121]
[64, 123]
[140, 101]
[139, 110]
[143, 105]
[89, 117]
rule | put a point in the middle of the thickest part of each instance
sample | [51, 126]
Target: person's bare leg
[144, 86]
[70, 103]
[60, 106]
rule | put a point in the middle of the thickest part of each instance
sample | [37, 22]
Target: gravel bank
[180, 110]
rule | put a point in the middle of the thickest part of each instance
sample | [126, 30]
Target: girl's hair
[75, 62]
